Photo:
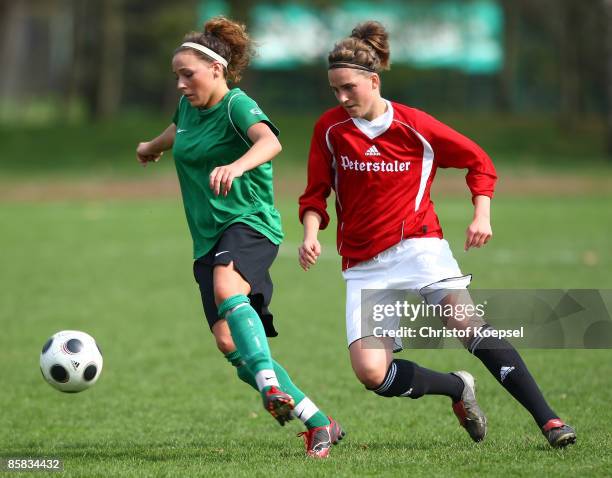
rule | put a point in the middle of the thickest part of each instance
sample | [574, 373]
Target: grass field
[168, 405]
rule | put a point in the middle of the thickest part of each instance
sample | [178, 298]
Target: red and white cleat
[279, 404]
[319, 440]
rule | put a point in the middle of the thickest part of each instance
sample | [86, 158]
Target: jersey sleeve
[453, 150]
[320, 176]
[244, 113]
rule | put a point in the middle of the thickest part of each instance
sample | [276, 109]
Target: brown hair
[228, 39]
[368, 46]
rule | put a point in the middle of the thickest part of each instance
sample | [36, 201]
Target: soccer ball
[71, 361]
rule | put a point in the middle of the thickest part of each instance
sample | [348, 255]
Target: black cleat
[558, 434]
[467, 410]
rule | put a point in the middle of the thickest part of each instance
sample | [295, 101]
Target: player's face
[196, 78]
[356, 91]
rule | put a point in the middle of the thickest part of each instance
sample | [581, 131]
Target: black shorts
[253, 255]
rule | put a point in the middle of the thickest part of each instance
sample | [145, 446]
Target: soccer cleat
[467, 410]
[319, 440]
[558, 434]
[279, 404]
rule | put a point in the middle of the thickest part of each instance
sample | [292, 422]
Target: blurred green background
[84, 81]
[91, 240]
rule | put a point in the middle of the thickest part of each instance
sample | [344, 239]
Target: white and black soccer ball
[71, 361]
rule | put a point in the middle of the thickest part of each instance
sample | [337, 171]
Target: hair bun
[230, 40]
[375, 35]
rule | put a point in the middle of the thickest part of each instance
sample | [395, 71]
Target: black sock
[507, 366]
[407, 379]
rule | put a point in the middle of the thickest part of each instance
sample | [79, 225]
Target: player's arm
[265, 145]
[151, 151]
[479, 232]
[453, 150]
[313, 203]
[310, 250]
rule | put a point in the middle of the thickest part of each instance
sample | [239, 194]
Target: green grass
[168, 404]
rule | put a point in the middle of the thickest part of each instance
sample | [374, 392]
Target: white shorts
[420, 264]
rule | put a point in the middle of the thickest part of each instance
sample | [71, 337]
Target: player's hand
[222, 177]
[308, 253]
[478, 233]
[145, 155]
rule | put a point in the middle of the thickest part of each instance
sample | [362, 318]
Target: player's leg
[368, 287]
[251, 255]
[373, 363]
[203, 273]
[305, 409]
[498, 355]
[322, 431]
[203, 270]
[505, 363]
[374, 366]
[249, 336]
[387, 279]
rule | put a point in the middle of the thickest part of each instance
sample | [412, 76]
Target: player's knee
[370, 376]
[225, 344]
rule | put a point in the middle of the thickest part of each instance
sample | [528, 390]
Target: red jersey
[381, 172]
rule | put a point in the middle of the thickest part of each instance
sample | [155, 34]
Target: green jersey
[217, 136]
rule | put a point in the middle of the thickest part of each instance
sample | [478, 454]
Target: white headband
[206, 51]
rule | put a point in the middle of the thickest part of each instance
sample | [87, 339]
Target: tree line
[106, 55]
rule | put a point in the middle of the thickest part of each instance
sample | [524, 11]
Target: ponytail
[228, 39]
[367, 47]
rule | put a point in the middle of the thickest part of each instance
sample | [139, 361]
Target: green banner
[465, 35]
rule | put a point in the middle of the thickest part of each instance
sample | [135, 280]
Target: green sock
[304, 406]
[250, 339]
[243, 371]
[304, 409]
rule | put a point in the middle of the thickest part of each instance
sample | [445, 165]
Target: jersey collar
[204, 112]
[377, 126]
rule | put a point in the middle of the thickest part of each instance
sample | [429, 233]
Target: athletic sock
[304, 409]
[250, 339]
[242, 370]
[407, 379]
[508, 368]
